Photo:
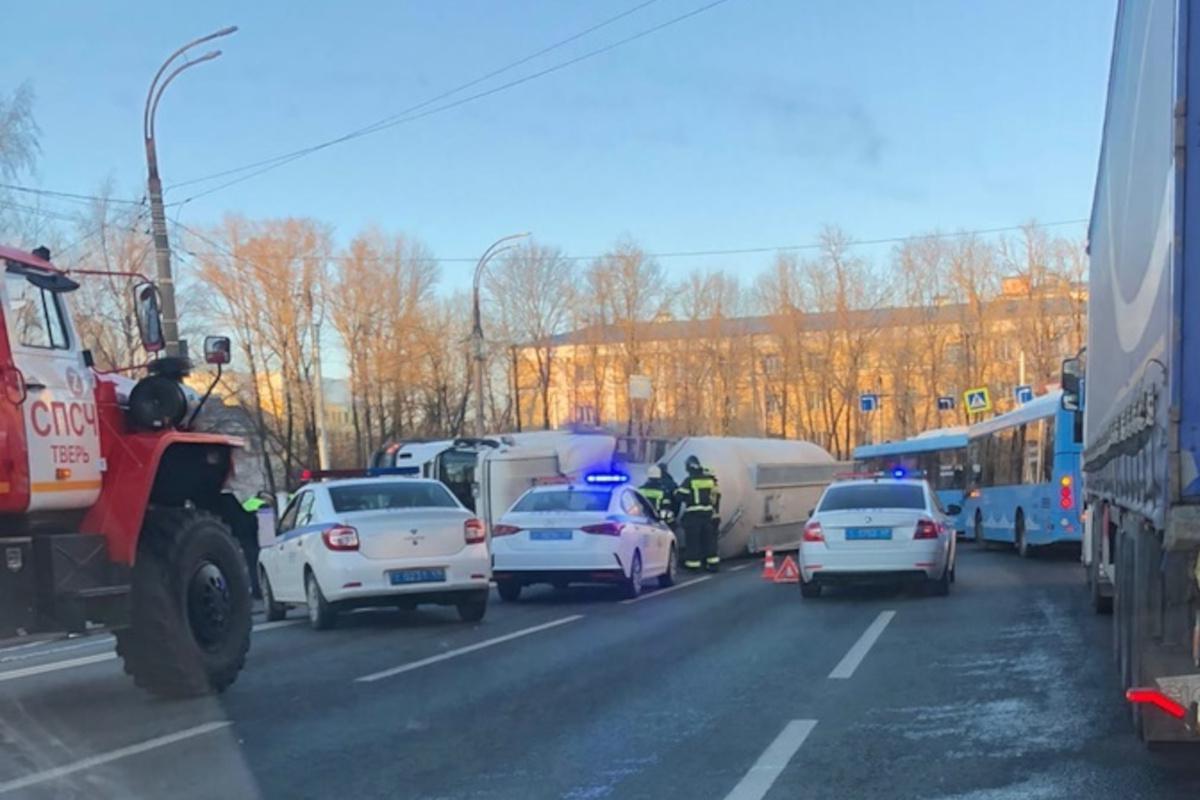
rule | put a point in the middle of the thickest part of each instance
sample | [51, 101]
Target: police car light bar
[898, 473]
[371, 472]
[606, 477]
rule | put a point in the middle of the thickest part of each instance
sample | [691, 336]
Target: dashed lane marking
[755, 784]
[112, 755]
[471, 648]
[739, 567]
[83, 661]
[859, 650]
[668, 590]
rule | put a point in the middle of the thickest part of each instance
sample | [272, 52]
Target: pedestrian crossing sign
[977, 401]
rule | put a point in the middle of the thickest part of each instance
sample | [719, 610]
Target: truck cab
[112, 512]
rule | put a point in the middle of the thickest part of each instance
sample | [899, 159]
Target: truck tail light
[1156, 698]
[500, 529]
[340, 537]
[604, 529]
[813, 532]
[926, 529]
[1066, 497]
[473, 532]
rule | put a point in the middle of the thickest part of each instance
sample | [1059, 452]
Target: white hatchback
[375, 541]
[581, 533]
[878, 528]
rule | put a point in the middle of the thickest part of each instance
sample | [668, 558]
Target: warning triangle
[788, 572]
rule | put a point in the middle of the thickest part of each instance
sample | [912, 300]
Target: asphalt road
[723, 688]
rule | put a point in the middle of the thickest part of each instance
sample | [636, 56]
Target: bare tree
[531, 290]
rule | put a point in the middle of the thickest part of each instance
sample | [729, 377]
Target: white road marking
[270, 626]
[755, 784]
[83, 661]
[471, 648]
[858, 652]
[95, 641]
[668, 590]
[739, 566]
[112, 755]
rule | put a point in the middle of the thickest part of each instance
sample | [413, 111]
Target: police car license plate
[550, 536]
[429, 575]
[860, 534]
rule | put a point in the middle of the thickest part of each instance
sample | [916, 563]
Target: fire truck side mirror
[217, 349]
[149, 320]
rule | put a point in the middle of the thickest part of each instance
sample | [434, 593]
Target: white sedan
[878, 528]
[581, 533]
[342, 544]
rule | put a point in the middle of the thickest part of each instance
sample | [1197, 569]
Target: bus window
[1048, 449]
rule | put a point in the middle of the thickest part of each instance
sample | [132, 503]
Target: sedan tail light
[603, 529]
[500, 529]
[473, 532]
[340, 537]
[813, 532]
[926, 529]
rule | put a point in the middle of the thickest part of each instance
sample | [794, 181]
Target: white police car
[597, 531]
[375, 541]
[878, 527]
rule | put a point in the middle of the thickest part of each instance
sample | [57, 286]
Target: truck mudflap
[1177, 696]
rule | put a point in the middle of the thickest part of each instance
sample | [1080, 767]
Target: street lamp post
[477, 327]
[158, 217]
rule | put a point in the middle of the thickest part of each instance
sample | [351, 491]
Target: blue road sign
[945, 403]
[1023, 394]
[868, 402]
[978, 400]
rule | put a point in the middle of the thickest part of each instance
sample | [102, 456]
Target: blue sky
[752, 124]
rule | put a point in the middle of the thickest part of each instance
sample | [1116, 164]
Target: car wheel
[473, 607]
[940, 587]
[321, 615]
[275, 611]
[669, 577]
[510, 591]
[633, 584]
[810, 589]
[1022, 541]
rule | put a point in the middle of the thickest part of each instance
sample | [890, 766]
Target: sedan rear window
[873, 495]
[565, 500]
[376, 497]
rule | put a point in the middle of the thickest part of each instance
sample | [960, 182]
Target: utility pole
[158, 216]
[477, 327]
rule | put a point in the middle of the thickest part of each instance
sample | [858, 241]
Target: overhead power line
[86, 198]
[691, 253]
[414, 113]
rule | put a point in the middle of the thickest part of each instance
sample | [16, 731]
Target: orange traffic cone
[769, 565]
[788, 571]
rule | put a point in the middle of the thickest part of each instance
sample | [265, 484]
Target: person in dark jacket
[696, 502]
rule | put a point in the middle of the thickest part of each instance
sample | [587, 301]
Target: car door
[61, 427]
[291, 544]
[658, 533]
[639, 524]
[272, 558]
[948, 525]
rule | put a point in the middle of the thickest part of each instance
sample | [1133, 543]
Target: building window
[772, 364]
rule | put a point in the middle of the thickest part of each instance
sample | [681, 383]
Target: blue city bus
[940, 456]
[1023, 485]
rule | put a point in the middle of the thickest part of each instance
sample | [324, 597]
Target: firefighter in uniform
[699, 497]
[658, 493]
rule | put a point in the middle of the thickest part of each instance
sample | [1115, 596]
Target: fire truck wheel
[191, 609]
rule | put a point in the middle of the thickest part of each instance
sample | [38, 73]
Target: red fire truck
[112, 513]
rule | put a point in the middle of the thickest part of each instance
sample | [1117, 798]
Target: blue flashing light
[606, 477]
[376, 471]
[898, 472]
